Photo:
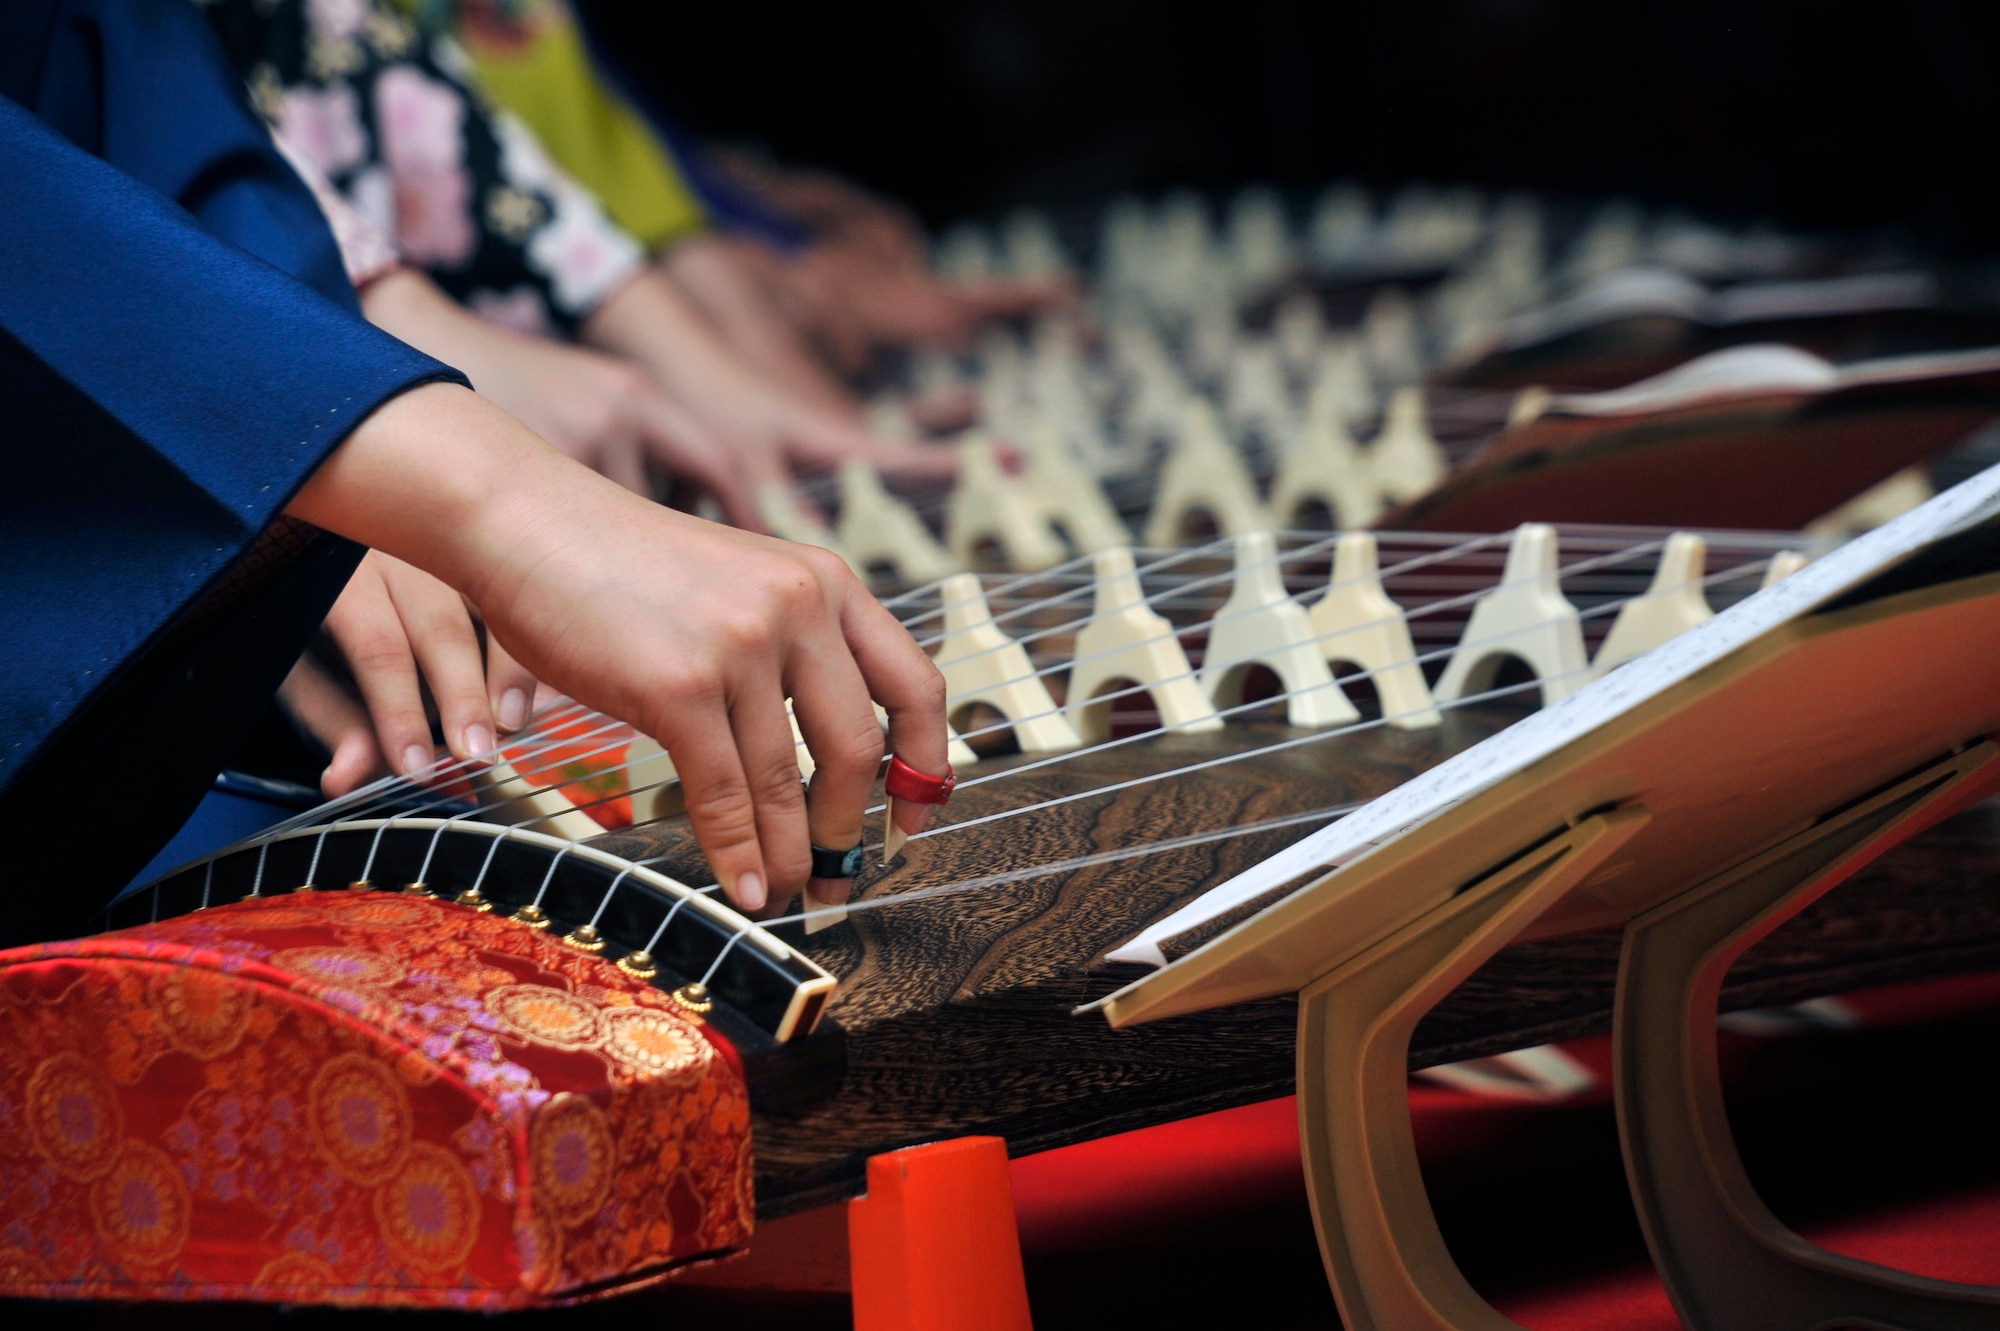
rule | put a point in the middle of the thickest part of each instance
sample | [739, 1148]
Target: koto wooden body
[1778, 462]
[958, 1011]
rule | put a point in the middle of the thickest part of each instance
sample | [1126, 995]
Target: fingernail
[478, 740]
[513, 709]
[830, 891]
[415, 759]
[750, 891]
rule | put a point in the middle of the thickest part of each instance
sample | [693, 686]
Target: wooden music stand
[1699, 801]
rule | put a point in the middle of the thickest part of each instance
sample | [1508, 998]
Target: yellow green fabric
[545, 77]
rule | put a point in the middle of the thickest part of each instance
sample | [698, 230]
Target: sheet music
[1491, 761]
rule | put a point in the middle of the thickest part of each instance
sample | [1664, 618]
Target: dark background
[1808, 113]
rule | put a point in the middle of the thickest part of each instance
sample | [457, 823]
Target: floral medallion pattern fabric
[391, 121]
[356, 1097]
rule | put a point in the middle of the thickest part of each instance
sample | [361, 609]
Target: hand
[832, 205]
[846, 293]
[651, 323]
[396, 625]
[693, 633]
[724, 279]
[604, 412]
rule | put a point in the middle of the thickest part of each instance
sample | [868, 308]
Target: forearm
[723, 280]
[410, 306]
[448, 482]
[650, 322]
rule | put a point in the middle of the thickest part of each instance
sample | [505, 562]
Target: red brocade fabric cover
[356, 1097]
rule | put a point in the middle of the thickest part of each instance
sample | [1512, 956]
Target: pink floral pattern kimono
[390, 119]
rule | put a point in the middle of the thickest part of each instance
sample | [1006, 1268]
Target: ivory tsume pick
[892, 835]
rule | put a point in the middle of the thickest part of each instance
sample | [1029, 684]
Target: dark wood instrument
[957, 1013]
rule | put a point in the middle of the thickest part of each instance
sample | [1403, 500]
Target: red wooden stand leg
[933, 1245]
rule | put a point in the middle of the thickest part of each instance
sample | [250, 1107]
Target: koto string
[1436, 607]
[550, 876]
[1274, 746]
[563, 713]
[1087, 586]
[374, 845]
[424, 872]
[1467, 598]
[1432, 608]
[635, 864]
[1316, 546]
[716, 965]
[661, 932]
[387, 784]
[1420, 658]
[312, 870]
[525, 763]
[1207, 764]
[1079, 862]
[486, 864]
[1607, 608]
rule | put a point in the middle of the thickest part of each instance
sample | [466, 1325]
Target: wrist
[441, 479]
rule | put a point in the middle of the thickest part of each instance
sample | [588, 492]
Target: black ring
[836, 863]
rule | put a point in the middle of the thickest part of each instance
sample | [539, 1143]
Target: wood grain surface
[958, 1008]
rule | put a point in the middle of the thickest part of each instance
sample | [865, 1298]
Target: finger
[771, 762]
[322, 709]
[945, 410]
[509, 685]
[447, 648]
[830, 700]
[907, 684]
[371, 636]
[817, 440]
[718, 796]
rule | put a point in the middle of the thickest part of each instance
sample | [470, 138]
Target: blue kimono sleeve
[166, 394]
